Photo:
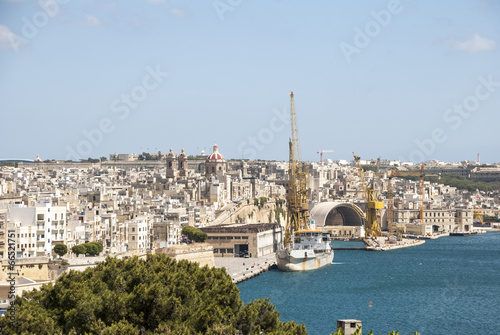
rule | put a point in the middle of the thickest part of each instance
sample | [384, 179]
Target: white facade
[38, 228]
[138, 234]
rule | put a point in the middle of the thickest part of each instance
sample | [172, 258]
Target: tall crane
[373, 205]
[391, 228]
[320, 152]
[298, 208]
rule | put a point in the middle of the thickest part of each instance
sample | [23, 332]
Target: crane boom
[298, 208]
[295, 131]
[373, 205]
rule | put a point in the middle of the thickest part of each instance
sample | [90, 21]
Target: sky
[412, 80]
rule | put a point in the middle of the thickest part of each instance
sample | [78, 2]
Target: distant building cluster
[128, 203]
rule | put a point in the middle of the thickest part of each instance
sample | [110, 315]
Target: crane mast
[422, 175]
[392, 231]
[298, 208]
[373, 205]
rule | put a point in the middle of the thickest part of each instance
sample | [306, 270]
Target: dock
[380, 244]
[241, 269]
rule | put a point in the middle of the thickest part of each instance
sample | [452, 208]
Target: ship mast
[298, 209]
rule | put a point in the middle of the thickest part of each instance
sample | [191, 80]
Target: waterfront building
[240, 240]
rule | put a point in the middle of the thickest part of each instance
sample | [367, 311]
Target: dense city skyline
[402, 80]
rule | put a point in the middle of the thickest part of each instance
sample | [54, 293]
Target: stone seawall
[201, 253]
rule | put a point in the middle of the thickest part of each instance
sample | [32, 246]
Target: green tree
[158, 295]
[61, 249]
[79, 249]
[262, 201]
[92, 249]
[194, 234]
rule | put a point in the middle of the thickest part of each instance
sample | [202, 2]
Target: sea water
[446, 286]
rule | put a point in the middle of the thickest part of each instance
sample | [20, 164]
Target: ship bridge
[337, 213]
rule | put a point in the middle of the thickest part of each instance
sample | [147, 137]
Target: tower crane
[373, 205]
[320, 152]
[298, 208]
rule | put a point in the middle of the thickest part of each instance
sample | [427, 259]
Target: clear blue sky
[412, 80]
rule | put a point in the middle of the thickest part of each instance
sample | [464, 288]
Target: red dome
[216, 155]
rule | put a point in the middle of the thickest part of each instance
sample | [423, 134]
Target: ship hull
[301, 260]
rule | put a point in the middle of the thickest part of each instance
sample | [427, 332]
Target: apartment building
[37, 228]
[138, 233]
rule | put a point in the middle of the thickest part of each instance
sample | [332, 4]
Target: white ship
[309, 250]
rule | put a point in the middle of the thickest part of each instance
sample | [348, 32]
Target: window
[55, 216]
[40, 217]
[133, 230]
[133, 238]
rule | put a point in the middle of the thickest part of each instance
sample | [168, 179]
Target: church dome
[216, 155]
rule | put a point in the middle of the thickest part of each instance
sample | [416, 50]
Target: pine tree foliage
[154, 296]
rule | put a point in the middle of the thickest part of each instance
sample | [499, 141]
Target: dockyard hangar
[340, 218]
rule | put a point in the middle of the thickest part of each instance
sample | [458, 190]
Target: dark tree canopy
[61, 249]
[91, 248]
[194, 234]
[154, 296]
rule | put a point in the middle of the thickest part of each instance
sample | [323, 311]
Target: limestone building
[176, 165]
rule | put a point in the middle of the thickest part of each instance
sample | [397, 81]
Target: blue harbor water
[447, 286]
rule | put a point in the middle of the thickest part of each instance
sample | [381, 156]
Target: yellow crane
[373, 205]
[392, 231]
[297, 206]
[478, 214]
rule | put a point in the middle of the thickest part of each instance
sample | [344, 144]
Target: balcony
[40, 227]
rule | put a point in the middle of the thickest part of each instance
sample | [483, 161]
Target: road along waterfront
[446, 286]
[241, 269]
